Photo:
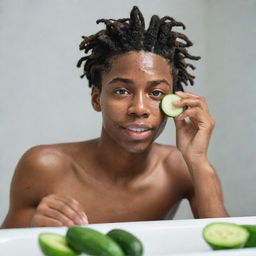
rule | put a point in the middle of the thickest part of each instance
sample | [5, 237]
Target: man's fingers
[64, 209]
[67, 211]
[55, 210]
[187, 94]
[191, 113]
[191, 100]
[197, 117]
[190, 103]
[72, 203]
[44, 221]
[47, 212]
[179, 123]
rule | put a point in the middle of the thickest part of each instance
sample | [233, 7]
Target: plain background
[44, 101]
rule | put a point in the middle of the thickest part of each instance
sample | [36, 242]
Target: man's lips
[137, 131]
[138, 126]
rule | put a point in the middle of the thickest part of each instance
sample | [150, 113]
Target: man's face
[129, 100]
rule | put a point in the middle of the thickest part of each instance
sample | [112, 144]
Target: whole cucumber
[130, 244]
[92, 242]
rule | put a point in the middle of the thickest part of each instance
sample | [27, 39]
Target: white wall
[231, 89]
[43, 100]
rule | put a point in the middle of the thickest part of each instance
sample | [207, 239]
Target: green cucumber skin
[215, 246]
[251, 242]
[51, 251]
[130, 244]
[92, 242]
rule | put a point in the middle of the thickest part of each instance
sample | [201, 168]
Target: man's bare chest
[110, 203]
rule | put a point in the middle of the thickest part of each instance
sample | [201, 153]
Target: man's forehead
[146, 60]
[140, 60]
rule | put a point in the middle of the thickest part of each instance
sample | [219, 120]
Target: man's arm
[193, 132]
[31, 200]
[206, 197]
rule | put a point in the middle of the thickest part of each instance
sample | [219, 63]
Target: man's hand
[55, 210]
[193, 133]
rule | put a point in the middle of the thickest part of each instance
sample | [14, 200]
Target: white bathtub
[160, 238]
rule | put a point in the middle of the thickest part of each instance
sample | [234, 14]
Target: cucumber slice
[168, 108]
[221, 235]
[55, 245]
[130, 244]
[251, 242]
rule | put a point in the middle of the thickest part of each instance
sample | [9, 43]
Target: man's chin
[138, 148]
[135, 150]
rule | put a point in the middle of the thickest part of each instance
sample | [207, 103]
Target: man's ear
[95, 98]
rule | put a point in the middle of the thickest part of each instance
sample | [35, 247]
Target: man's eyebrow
[120, 79]
[156, 82]
[130, 81]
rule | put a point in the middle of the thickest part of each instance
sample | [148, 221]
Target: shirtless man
[123, 175]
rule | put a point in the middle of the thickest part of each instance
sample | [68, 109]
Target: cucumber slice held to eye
[221, 235]
[55, 245]
[167, 105]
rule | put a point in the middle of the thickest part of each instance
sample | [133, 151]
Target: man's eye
[121, 92]
[157, 93]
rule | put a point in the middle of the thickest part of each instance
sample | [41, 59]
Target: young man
[123, 175]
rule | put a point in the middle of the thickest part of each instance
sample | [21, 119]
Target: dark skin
[122, 175]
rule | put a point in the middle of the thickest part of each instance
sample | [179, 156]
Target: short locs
[129, 34]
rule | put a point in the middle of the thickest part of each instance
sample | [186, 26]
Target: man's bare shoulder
[170, 155]
[48, 161]
[44, 157]
[42, 167]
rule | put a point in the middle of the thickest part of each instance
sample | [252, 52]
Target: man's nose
[139, 106]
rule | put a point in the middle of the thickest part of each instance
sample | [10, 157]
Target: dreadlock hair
[129, 34]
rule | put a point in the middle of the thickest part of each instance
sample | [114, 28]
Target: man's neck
[118, 164]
